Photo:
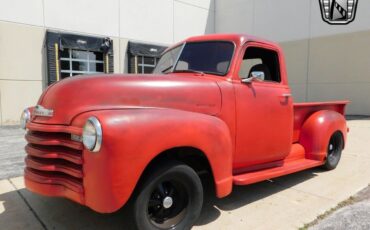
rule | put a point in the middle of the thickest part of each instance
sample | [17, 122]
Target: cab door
[264, 110]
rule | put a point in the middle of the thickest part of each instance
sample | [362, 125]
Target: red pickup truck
[217, 103]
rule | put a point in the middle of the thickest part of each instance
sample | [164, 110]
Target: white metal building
[42, 41]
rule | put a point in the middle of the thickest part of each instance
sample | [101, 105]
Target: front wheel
[334, 151]
[170, 198]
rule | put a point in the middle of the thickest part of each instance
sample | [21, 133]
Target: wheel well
[189, 156]
[341, 135]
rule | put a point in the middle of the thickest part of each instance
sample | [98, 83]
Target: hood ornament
[42, 112]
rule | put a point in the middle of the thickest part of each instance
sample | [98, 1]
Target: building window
[143, 57]
[75, 62]
[71, 54]
[146, 64]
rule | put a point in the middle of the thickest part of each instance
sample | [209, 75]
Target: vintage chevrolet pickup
[217, 103]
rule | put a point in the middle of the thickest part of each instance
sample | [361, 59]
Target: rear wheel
[334, 151]
[170, 198]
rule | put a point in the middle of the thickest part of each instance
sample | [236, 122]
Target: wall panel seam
[1, 111]
[7, 79]
[22, 23]
[308, 50]
[189, 4]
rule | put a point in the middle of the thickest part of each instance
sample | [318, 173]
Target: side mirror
[255, 75]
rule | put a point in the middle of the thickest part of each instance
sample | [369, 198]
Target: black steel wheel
[334, 151]
[167, 204]
[170, 198]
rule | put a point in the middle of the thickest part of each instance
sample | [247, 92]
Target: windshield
[212, 57]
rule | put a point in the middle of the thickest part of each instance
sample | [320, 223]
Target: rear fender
[317, 130]
[132, 138]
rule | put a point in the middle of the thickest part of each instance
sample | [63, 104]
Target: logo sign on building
[338, 12]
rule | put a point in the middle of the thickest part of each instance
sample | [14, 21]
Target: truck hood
[73, 96]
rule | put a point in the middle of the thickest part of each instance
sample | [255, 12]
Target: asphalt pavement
[12, 153]
[355, 216]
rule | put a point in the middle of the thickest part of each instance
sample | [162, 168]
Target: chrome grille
[52, 157]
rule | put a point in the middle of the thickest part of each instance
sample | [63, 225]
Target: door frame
[271, 84]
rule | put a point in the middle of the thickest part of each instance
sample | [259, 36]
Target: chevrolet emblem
[42, 112]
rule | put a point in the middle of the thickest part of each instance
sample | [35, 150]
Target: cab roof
[238, 39]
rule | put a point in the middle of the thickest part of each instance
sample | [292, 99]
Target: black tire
[334, 151]
[170, 198]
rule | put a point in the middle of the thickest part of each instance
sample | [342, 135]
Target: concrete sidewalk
[285, 203]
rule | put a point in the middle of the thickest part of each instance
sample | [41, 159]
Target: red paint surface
[247, 132]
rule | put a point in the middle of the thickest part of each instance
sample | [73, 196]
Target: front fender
[317, 130]
[133, 137]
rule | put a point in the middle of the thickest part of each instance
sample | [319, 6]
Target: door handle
[286, 95]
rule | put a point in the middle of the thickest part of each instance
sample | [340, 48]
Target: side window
[246, 66]
[259, 59]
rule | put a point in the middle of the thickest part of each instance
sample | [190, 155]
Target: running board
[266, 174]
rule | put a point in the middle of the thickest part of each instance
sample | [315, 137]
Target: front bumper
[51, 186]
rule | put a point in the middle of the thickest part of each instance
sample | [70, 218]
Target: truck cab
[219, 104]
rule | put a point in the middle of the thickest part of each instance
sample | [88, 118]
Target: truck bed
[296, 160]
[303, 110]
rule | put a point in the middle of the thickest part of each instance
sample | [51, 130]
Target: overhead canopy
[80, 42]
[148, 50]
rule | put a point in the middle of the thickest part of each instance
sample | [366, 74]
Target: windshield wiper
[166, 69]
[187, 71]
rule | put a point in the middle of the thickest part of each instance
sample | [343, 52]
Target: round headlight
[92, 134]
[25, 118]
